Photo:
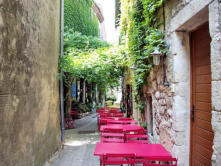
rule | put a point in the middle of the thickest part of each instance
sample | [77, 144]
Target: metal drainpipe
[61, 80]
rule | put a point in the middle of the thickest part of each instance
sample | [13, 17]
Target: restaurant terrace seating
[123, 141]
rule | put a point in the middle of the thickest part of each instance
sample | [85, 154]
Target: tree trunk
[68, 100]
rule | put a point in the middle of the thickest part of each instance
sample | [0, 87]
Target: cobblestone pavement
[79, 145]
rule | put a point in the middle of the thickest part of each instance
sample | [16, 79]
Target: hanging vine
[141, 34]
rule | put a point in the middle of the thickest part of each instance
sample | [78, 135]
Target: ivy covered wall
[79, 16]
[141, 34]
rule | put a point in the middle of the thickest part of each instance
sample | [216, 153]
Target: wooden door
[201, 128]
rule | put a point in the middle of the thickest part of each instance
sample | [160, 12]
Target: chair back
[113, 130]
[137, 138]
[102, 121]
[123, 118]
[160, 161]
[114, 111]
[104, 114]
[116, 159]
[112, 139]
[118, 114]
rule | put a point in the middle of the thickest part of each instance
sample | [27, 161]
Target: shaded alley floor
[79, 144]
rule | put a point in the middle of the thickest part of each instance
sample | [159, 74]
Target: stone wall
[171, 105]
[29, 98]
[162, 100]
[215, 33]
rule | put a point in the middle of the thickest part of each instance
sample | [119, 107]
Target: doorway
[201, 110]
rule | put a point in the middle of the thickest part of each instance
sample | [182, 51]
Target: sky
[108, 9]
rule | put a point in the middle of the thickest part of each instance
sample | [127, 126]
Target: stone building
[29, 93]
[186, 115]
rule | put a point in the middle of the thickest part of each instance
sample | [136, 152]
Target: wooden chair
[160, 162]
[118, 159]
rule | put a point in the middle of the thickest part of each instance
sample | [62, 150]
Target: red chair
[102, 111]
[137, 138]
[111, 130]
[118, 114]
[156, 161]
[125, 118]
[101, 122]
[118, 159]
[112, 137]
[114, 111]
[140, 132]
[104, 114]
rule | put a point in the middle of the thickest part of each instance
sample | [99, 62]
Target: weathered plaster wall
[215, 33]
[29, 105]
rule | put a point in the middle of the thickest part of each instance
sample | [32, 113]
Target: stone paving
[79, 145]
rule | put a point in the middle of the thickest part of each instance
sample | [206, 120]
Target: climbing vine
[141, 35]
[78, 15]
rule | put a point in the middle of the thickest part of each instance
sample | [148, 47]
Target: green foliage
[84, 107]
[91, 59]
[76, 42]
[79, 17]
[141, 35]
[144, 125]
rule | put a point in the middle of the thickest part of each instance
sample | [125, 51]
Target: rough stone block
[216, 57]
[215, 18]
[157, 95]
[180, 114]
[183, 89]
[216, 123]
[182, 152]
[216, 95]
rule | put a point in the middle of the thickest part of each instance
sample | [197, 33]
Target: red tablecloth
[141, 150]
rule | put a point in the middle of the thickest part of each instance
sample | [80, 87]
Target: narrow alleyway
[80, 144]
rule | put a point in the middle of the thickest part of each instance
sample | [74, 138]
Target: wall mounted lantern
[156, 56]
[156, 61]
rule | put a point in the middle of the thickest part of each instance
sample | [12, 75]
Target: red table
[125, 128]
[141, 150]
